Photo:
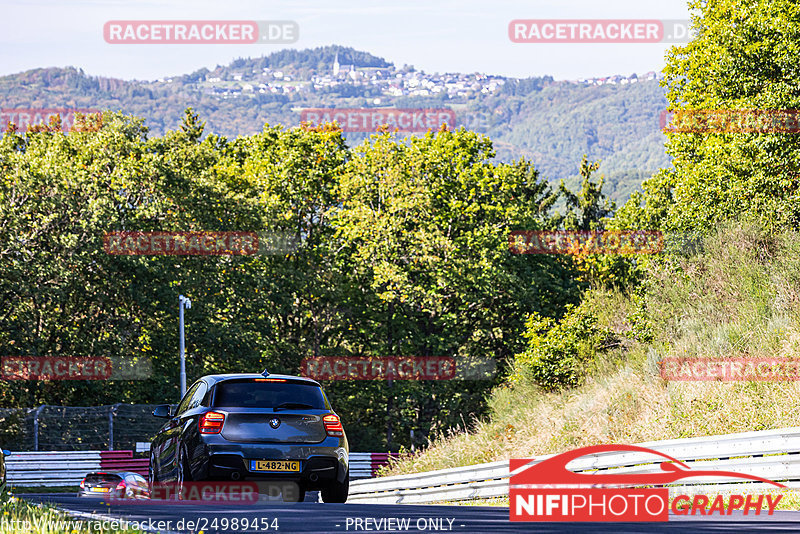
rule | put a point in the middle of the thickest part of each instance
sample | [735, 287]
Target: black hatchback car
[254, 427]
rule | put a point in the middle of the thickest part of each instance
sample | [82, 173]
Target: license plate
[283, 466]
[100, 490]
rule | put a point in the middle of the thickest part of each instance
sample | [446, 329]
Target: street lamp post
[183, 302]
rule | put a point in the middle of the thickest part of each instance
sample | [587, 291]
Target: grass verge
[18, 516]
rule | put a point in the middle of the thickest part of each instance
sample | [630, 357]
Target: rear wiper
[298, 405]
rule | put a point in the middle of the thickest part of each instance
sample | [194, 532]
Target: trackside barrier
[67, 468]
[124, 461]
[366, 464]
[771, 454]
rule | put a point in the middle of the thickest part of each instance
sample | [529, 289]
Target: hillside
[551, 123]
[644, 355]
[738, 297]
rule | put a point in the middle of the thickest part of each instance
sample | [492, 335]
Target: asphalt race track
[318, 517]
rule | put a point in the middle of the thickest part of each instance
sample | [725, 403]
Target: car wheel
[337, 492]
[184, 474]
[151, 477]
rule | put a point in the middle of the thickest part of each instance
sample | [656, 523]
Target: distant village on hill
[621, 80]
[389, 81]
[552, 123]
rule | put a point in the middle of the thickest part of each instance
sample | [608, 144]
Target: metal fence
[76, 428]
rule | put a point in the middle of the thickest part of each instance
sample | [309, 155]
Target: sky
[432, 35]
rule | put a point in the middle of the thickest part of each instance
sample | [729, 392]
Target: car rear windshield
[102, 478]
[254, 393]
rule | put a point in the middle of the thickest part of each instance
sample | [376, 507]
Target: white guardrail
[770, 454]
[62, 468]
[363, 464]
[67, 468]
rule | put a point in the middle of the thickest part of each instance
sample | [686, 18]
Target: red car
[117, 484]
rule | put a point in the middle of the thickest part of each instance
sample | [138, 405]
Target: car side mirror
[163, 411]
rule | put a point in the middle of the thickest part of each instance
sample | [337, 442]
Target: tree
[743, 58]
[587, 208]
[402, 251]
[427, 225]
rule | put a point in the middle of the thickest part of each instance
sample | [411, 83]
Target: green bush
[641, 323]
[559, 354]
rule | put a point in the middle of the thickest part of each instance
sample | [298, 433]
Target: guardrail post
[36, 427]
[111, 411]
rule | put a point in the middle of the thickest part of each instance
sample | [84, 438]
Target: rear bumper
[101, 495]
[321, 463]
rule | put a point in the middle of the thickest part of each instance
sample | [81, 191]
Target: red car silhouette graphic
[553, 471]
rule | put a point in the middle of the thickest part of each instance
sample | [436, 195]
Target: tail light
[121, 488]
[83, 483]
[333, 426]
[211, 422]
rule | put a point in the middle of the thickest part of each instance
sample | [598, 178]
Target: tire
[184, 473]
[337, 492]
[151, 477]
[300, 496]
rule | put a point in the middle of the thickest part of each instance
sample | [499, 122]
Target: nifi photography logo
[548, 491]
